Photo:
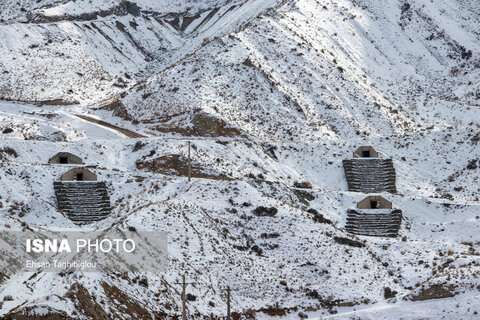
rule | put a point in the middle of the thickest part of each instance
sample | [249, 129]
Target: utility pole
[184, 296]
[189, 163]
[184, 286]
[228, 303]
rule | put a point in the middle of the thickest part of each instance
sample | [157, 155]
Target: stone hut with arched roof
[374, 202]
[79, 174]
[365, 152]
[81, 197]
[65, 158]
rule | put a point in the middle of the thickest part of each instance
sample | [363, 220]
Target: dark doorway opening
[79, 176]
[63, 160]
[374, 204]
[366, 154]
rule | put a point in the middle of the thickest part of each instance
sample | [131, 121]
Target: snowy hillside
[83, 52]
[333, 66]
[273, 96]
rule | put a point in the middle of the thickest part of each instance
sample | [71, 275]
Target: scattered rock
[318, 217]
[191, 297]
[138, 145]
[143, 282]
[262, 211]
[270, 151]
[436, 291]
[304, 196]
[302, 185]
[257, 249]
[405, 7]
[389, 293]
[476, 138]
[348, 242]
[269, 235]
[472, 164]
[247, 62]
[9, 151]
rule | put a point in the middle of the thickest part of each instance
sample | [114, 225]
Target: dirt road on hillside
[126, 132]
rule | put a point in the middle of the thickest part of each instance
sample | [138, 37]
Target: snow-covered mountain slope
[295, 261]
[344, 68]
[83, 52]
[270, 93]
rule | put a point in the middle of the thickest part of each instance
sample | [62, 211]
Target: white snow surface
[310, 80]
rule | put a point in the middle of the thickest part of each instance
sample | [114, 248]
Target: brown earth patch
[331, 303]
[86, 304]
[56, 102]
[128, 306]
[348, 242]
[118, 109]
[29, 313]
[177, 165]
[276, 311]
[53, 102]
[303, 196]
[202, 125]
[436, 291]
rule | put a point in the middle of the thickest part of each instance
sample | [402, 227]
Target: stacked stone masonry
[83, 202]
[364, 223]
[370, 175]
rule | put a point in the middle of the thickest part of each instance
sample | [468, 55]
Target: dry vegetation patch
[86, 303]
[177, 165]
[128, 306]
[200, 125]
[436, 291]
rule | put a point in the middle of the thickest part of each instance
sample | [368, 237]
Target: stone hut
[368, 173]
[365, 152]
[375, 217]
[65, 158]
[79, 174]
[374, 202]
